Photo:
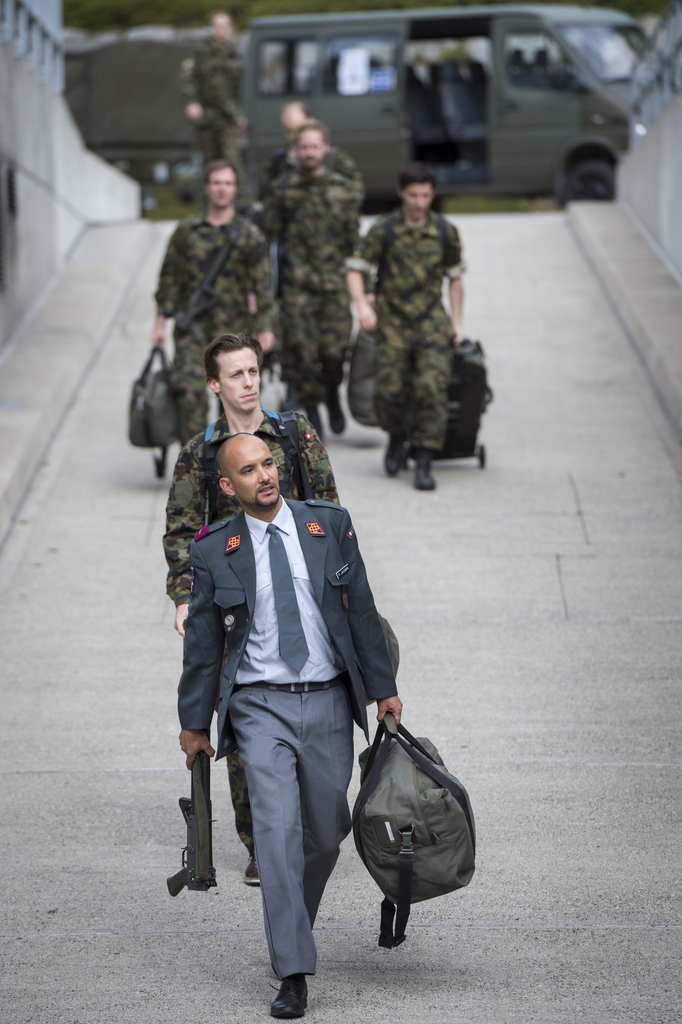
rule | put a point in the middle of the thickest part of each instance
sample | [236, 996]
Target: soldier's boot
[313, 416]
[394, 460]
[290, 400]
[423, 480]
[337, 420]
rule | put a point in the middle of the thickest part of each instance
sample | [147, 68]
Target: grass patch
[169, 205]
[498, 204]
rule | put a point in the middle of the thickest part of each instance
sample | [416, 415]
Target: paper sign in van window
[353, 72]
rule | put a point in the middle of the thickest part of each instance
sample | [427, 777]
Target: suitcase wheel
[480, 452]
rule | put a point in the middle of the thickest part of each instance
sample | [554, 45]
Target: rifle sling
[233, 233]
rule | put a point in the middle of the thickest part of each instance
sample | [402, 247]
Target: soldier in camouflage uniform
[212, 89]
[243, 283]
[292, 116]
[232, 366]
[316, 211]
[414, 336]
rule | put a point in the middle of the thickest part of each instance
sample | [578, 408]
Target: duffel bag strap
[388, 939]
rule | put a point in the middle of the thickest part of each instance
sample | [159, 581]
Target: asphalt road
[538, 604]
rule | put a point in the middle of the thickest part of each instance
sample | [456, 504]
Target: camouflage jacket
[338, 161]
[213, 77]
[186, 500]
[413, 265]
[191, 250]
[318, 218]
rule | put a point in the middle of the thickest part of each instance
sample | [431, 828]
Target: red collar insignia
[316, 530]
[233, 542]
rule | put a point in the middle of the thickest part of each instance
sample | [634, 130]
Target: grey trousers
[297, 750]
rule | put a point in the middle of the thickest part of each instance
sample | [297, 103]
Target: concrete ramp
[43, 372]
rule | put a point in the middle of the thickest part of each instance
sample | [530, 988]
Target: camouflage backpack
[413, 825]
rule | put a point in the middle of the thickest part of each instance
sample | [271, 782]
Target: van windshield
[610, 52]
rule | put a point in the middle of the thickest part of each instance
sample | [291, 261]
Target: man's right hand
[194, 112]
[192, 741]
[159, 332]
[366, 315]
[181, 613]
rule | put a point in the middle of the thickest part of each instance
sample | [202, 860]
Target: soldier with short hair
[243, 287]
[411, 251]
[316, 211]
[211, 82]
[232, 370]
[292, 115]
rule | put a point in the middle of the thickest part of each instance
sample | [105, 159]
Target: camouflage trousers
[411, 382]
[316, 334]
[240, 800]
[218, 141]
[188, 378]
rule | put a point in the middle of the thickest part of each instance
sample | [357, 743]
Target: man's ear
[226, 486]
[214, 385]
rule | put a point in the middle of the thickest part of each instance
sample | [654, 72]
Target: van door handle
[389, 110]
[508, 107]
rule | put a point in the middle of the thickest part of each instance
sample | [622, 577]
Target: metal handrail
[657, 74]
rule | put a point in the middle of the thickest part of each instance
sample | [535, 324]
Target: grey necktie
[292, 643]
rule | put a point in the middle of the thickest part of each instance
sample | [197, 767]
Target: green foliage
[498, 204]
[101, 15]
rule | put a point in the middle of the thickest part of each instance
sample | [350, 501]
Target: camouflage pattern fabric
[188, 379]
[337, 161]
[317, 328]
[414, 336]
[212, 76]
[185, 508]
[319, 218]
[191, 251]
[240, 800]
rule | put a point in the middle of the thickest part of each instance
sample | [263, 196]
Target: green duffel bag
[413, 825]
[363, 365]
[153, 416]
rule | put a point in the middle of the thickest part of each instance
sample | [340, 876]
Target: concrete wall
[650, 182]
[60, 186]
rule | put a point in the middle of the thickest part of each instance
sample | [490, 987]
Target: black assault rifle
[205, 296]
[197, 871]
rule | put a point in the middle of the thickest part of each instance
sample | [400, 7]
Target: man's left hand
[192, 741]
[392, 704]
[459, 336]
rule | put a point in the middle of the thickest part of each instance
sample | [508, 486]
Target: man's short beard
[267, 504]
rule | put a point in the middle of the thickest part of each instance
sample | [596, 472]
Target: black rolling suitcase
[468, 397]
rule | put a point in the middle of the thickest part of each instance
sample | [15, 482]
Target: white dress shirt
[261, 661]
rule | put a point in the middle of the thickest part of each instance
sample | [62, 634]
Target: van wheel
[590, 179]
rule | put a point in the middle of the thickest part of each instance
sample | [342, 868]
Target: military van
[496, 99]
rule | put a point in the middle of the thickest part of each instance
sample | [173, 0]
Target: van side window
[534, 60]
[357, 65]
[287, 67]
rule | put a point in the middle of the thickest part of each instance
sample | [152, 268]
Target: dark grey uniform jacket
[222, 607]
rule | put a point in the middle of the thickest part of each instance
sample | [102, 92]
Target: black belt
[295, 687]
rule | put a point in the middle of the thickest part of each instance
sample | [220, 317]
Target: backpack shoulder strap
[443, 230]
[387, 240]
[286, 427]
[211, 476]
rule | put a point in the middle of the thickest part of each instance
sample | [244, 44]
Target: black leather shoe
[290, 400]
[337, 421]
[394, 460]
[314, 417]
[423, 480]
[292, 998]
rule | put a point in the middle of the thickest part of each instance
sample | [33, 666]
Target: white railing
[658, 73]
[34, 39]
